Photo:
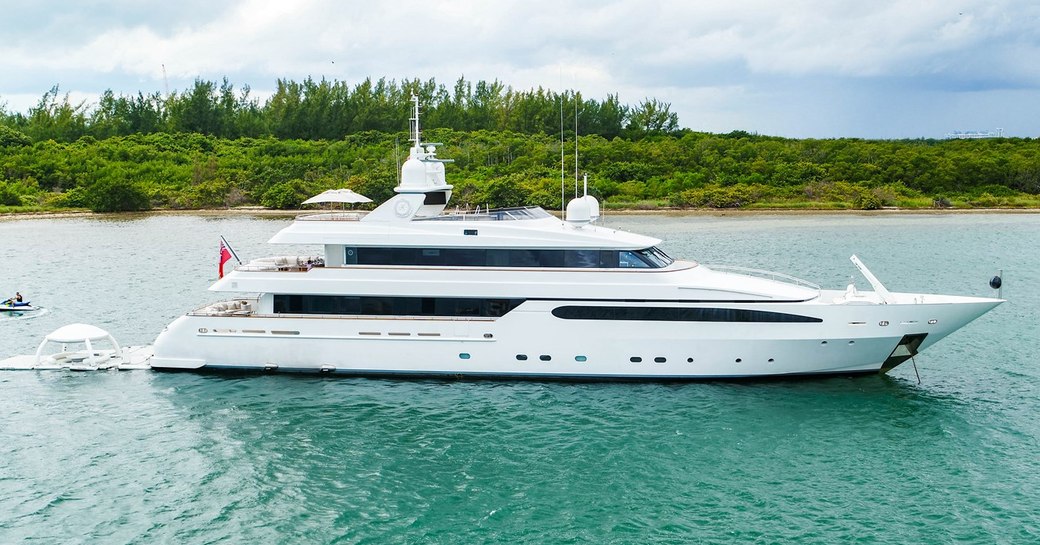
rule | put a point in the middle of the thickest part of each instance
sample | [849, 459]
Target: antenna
[575, 144]
[414, 121]
[563, 192]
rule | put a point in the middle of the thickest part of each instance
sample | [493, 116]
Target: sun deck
[332, 216]
[496, 214]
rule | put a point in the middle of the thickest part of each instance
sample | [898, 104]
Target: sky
[795, 68]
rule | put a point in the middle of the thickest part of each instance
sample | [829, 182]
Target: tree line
[330, 110]
[505, 168]
[213, 146]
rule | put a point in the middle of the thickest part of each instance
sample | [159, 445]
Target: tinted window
[665, 258]
[498, 258]
[481, 257]
[523, 258]
[630, 260]
[550, 258]
[393, 306]
[436, 197]
[675, 314]
[465, 257]
[655, 258]
[581, 258]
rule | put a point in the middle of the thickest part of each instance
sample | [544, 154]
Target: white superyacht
[409, 290]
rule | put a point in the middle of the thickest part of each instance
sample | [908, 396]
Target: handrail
[282, 263]
[331, 216]
[495, 214]
[769, 275]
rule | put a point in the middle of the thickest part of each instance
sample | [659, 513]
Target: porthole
[580, 358]
[488, 336]
[852, 342]
[464, 356]
[739, 360]
[545, 357]
[823, 342]
[770, 360]
[659, 359]
[689, 360]
[933, 322]
[521, 357]
[635, 359]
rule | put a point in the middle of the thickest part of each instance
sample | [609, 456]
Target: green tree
[285, 195]
[113, 195]
[10, 138]
[652, 117]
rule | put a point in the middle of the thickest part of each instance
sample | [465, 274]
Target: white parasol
[337, 195]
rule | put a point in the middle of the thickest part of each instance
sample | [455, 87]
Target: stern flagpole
[226, 253]
[230, 249]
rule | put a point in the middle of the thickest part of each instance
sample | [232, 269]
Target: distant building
[976, 134]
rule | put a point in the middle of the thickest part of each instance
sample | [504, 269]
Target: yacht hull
[532, 342]
[408, 289]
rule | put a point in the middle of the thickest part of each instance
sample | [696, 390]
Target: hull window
[393, 306]
[674, 314]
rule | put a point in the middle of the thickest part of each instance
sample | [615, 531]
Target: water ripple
[149, 458]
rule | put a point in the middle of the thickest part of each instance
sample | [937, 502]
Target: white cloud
[692, 54]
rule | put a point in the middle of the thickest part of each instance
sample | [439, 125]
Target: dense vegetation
[212, 147]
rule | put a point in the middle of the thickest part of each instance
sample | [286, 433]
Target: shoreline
[674, 212]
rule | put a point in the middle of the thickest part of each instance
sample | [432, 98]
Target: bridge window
[496, 257]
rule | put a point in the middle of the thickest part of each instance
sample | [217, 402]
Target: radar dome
[413, 174]
[579, 211]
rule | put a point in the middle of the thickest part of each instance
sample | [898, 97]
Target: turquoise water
[145, 457]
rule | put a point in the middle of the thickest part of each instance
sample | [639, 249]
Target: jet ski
[15, 306]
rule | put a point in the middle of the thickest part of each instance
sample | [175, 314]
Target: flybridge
[423, 191]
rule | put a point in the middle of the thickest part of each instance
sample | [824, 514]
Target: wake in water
[15, 315]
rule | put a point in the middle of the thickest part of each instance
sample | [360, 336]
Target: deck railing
[332, 216]
[287, 263]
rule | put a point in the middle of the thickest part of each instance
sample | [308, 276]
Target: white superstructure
[410, 290]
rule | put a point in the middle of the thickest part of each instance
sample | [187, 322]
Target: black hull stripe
[532, 377]
[689, 301]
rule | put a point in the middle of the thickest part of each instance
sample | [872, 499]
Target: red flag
[226, 253]
[225, 256]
